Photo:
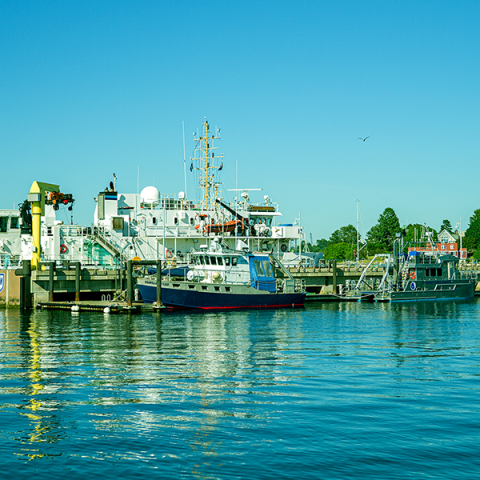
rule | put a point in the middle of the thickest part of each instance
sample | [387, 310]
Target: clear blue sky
[91, 88]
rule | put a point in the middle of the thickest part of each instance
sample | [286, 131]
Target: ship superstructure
[151, 225]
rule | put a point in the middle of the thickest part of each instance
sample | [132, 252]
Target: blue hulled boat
[221, 278]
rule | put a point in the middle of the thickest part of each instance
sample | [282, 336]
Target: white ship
[150, 226]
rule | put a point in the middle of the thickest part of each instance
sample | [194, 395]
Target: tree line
[342, 243]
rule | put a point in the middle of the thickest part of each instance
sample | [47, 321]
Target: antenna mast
[205, 147]
[358, 239]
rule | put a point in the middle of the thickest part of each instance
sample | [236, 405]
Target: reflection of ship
[153, 226]
[221, 278]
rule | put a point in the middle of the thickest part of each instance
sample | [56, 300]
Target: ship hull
[447, 291]
[238, 296]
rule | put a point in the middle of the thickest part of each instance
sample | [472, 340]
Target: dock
[94, 289]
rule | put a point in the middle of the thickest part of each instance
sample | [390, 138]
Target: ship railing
[116, 241]
[8, 260]
[300, 285]
[464, 275]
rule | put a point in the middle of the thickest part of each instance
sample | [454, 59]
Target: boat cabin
[430, 267]
[233, 267]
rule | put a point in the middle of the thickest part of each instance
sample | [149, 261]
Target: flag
[220, 167]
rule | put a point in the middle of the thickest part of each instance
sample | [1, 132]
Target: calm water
[332, 391]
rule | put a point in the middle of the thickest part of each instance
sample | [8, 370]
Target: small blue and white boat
[221, 278]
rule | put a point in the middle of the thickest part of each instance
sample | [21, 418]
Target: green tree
[382, 235]
[468, 243]
[339, 251]
[347, 234]
[416, 233]
[320, 246]
[446, 225]
[473, 229]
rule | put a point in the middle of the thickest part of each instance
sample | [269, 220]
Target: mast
[205, 145]
[358, 239]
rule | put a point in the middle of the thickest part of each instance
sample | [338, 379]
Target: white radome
[150, 196]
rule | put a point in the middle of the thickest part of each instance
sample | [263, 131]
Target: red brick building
[450, 248]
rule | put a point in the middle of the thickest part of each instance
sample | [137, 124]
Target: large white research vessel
[149, 225]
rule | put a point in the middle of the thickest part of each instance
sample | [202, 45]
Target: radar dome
[150, 196]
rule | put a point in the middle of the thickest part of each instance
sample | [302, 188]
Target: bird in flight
[360, 138]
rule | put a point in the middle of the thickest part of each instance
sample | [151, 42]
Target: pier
[93, 288]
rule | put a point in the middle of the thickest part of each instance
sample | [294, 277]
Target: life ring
[413, 275]
[63, 248]
[283, 247]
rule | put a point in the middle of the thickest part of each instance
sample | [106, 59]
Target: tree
[320, 246]
[339, 251]
[473, 229]
[446, 225]
[469, 244]
[416, 233]
[382, 235]
[347, 234]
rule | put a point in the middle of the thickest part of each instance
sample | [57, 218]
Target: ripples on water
[343, 390]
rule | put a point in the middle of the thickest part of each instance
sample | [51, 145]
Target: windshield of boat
[268, 268]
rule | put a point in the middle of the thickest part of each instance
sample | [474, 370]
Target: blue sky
[91, 88]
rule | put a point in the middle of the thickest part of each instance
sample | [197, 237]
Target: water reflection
[197, 390]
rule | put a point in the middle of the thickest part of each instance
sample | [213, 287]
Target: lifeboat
[226, 227]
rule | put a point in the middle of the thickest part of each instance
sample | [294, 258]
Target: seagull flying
[360, 138]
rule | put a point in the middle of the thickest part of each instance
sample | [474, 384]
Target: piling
[77, 281]
[129, 284]
[51, 273]
[25, 284]
[159, 283]
[334, 276]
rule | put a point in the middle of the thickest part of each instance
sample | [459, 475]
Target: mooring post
[129, 284]
[51, 272]
[25, 274]
[159, 283]
[77, 281]
[334, 276]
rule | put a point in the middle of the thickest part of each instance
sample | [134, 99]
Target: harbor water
[334, 391]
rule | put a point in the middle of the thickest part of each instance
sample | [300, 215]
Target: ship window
[3, 224]
[439, 272]
[220, 260]
[267, 268]
[154, 220]
[227, 261]
[191, 286]
[258, 267]
[234, 261]
[213, 260]
[204, 287]
[14, 222]
[217, 289]
[202, 260]
[228, 289]
[175, 221]
[207, 260]
[191, 221]
[269, 222]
